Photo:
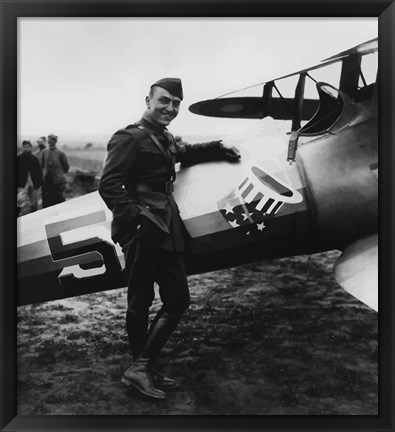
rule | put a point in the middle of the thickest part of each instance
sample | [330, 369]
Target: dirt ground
[273, 338]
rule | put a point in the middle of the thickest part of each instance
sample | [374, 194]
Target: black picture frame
[10, 11]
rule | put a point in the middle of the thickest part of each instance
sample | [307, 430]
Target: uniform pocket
[149, 150]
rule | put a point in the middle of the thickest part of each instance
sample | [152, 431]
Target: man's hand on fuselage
[232, 154]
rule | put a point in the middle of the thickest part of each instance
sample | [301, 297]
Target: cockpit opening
[329, 110]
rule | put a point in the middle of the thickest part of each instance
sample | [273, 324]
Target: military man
[55, 165]
[29, 180]
[137, 185]
[41, 147]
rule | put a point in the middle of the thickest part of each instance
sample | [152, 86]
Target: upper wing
[368, 47]
[278, 108]
[356, 270]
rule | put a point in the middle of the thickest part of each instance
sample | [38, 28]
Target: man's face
[41, 143]
[26, 148]
[51, 142]
[162, 106]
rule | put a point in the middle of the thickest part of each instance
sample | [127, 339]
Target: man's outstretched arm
[191, 154]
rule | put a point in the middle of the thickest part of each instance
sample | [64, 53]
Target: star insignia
[234, 224]
[261, 226]
[245, 216]
[228, 209]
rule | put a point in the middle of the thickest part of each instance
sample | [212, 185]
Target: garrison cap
[55, 137]
[172, 85]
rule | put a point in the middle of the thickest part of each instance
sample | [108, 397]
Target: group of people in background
[41, 176]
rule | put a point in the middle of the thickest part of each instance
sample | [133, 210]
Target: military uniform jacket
[133, 158]
[28, 164]
[55, 162]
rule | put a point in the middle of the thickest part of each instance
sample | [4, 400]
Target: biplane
[309, 189]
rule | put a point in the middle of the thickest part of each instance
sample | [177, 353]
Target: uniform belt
[165, 187]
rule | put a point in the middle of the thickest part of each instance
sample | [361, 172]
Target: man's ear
[147, 101]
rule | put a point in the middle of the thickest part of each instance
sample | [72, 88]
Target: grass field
[87, 160]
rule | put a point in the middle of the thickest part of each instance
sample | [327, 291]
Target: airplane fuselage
[262, 207]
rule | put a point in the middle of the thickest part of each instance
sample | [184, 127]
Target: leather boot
[139, 376]
[160, 331]
[163, 382]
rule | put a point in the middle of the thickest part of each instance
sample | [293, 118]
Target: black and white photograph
[197, 216]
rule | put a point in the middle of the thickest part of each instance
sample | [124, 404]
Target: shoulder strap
[162, 150]
[157, 143]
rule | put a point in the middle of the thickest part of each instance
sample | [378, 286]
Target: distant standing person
[41, 147]
[55, 165]
[29, 180]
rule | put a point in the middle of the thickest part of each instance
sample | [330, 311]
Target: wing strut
[267, 98]
[351, 69]
[296, 118]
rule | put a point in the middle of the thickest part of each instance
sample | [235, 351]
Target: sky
[90, 76]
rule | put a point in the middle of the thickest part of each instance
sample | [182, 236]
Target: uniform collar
[147, 121]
